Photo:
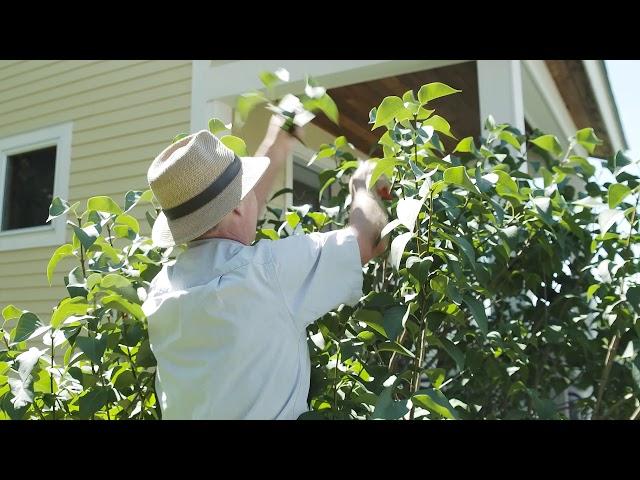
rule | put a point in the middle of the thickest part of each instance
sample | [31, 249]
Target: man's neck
[223, 235]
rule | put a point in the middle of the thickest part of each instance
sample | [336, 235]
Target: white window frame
[58, 136]
[300, 155]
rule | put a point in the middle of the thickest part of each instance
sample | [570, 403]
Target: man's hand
[361, 177]
[367, 217]
[277, 134]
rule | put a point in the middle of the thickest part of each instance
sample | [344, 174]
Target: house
[77, 129]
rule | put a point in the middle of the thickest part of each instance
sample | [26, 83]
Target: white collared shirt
[227, 323]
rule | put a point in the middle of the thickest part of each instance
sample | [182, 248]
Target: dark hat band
[208, 194]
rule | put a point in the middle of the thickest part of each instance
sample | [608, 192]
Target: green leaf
[144, 357]
[318, 218]
[373, 319]
[436, 376]
[43, 383]
[76, 284]
[591, 290]
[282, 74]
[312, 90]
[435, 402]
[326, 185]
[458, 176]
[179, 137]
[419, 267]
[109, 251]
[61, 252]
[454, 352]
[269, 233]
[10, 312]
[123, 380]
[8, 405]
[549, 143]
[87, 235]
[133, 197]
[395, 347]
[328, 107]
[103, 204]
[129, 221]
[58, 207]
[372, 115]
[387, 110]
[510, 138]
[434, 90]
[282, 191]
[112, 280]
[326, 152]
[633, 296]
[408, 96]
[404, 114]
[68, 307]
[268, 79]
[392, 320]
[545, 408]
[93, 401]
[583, 163]
[607, 218]
[397, 249]
[439, 284]
[384, 167]
[27, 324]
[587, 138]
[93, 348]
[477, 309]
[387, 408]
[507, 186]
[465, 145]
[22, 388]
[423, 113]
[341, 142]
[439, 124]
[546, 175]
[236, 144]
[543, 208]
[407, 211]
[617, 193]
[116, 301]
[293, 219]
[248, 102]
[619, 160]
[216, 125]
[466, 248]
[490, 123]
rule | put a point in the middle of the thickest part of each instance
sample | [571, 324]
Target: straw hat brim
[167, 233]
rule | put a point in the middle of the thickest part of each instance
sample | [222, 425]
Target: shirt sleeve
[317, 273]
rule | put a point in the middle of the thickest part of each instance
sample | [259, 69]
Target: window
[303, 179]
[34, 168]
[306, 187]
[28, 188]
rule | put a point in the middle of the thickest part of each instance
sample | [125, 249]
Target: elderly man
[227, 321]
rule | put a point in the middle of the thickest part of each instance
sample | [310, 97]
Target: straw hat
[198, 180]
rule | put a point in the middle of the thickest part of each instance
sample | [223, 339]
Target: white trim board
[544, 106]
[213, 80]
[500, 92]
[606, 104]
[53, 233]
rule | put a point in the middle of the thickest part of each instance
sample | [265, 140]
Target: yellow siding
[123, 112]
